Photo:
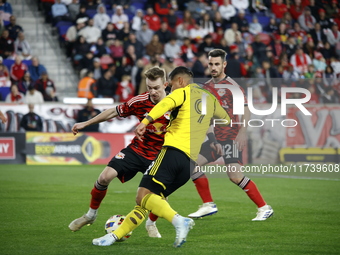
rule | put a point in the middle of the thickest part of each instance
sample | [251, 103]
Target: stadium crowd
[112, 42]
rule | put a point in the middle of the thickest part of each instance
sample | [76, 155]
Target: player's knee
[235, 180]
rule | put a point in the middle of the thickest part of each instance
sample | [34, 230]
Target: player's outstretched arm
[101, 117]
[3, 117]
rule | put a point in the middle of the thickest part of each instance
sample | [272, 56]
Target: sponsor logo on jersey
[120, 155]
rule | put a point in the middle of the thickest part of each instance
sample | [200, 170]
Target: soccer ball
[113, 223]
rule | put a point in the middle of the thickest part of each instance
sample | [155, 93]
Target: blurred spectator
[199, 68]
[309, 47]
[125, 90]
[139, 48]
[125, 3]
[92, 4]
[33, 96]
[117, 50]
[86, 63]
[154, 47]
[318, 35]
[327, 51]
[31, 121]
[333, 37]
[136, 75]
[2, 25]
[272, 27]
[311, 72]
[163, 33]
[283, 32]
[101, 19]
[213, 10]
[119, 17]
[90, 32]
[277, 46]
[290, 46]
[288, 20]
[172, 49]
[97, 69]
[196, 8]
[279, 9]
[188, 50]
[241, 46]
[235, 67]
[36, 69]
[300, 61]
[124, 33]
[306, 20]
[46, 87]
[332, 8]
[129, 59]
[72, 35]
[299, 34]
[81, 47]
[109, 33]
[207, 24]
[73, 9]
[4, 76]
[15, 96]
[6, 45]
[259, 48]
[59, 12]
[207, 44]
[314, 99]
[240, 4]
[323, 20]
[22, 47]
[335, 64]
[197, 33]
[18, 69]
[87, 86]
[227, 11]
[255, 27]
[319, 62]
[188, 18]
[144, 35]
[152, 19]
[168, 65]
[172, 20]
[105, 86]
[137, 20]
[13, 28]
[314, 8]
[329, 96]
[329, 77]
[5, 7]
[260, 5]
[82, 13]
[219, 22]
[99, 49]
[162, 8]
[290, 76]
[88, 112]
[296, 9]
[241, 21]
[183, 31]
[25, 82]
[230, 33]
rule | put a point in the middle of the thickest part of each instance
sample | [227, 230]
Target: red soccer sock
[152, 216]
[97, 197]
[252, 192]
[202, 186]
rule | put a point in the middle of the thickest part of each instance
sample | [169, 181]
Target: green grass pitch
[38, 203]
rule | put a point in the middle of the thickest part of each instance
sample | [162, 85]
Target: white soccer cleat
[77, 224]
[206, 209]
[182, 229]
[106, 240]
[153, 231]
[264, 213]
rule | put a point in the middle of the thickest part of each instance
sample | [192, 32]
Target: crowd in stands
[25, 80]
[270, 43]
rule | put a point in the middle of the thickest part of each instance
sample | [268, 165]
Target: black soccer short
[171, 169]
[231, 153]
[128, 163]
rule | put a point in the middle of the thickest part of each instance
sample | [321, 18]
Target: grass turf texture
[38, 203]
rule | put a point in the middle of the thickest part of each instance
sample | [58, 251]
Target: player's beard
[216, 74]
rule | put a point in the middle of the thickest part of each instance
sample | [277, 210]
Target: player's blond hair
[154, 73]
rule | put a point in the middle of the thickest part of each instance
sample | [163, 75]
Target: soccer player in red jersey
[138, 155]
[230, 140]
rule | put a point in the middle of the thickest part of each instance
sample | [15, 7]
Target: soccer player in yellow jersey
[192, 110]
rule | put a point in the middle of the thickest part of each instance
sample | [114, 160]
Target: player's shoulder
[142, 98]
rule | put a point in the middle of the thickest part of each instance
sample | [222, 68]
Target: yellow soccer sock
[131, 222]
[159, 206]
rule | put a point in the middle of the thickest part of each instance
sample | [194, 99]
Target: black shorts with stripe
[128, 163]
[231, 153]
[171, 170]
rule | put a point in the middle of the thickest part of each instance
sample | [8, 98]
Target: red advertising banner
[7, 148]
[321, 129]
[12, 148]
[65, 148]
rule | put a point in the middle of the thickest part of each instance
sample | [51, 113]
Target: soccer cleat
[182, 230]
[264, 213]
[77, 224]
[106, 240]
[153, 231]
[206, 209]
